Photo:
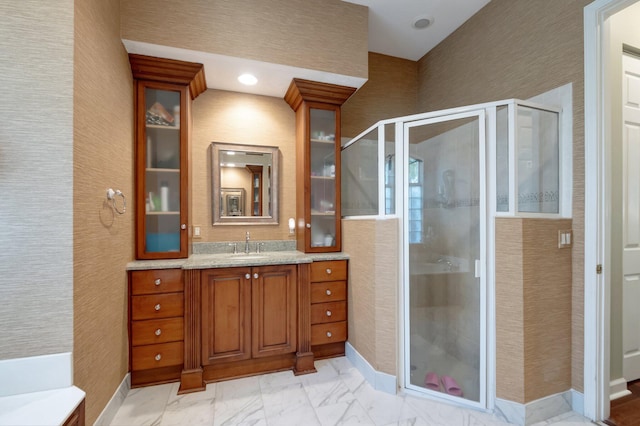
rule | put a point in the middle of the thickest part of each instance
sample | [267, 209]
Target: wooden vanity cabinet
[156, 326]
[164, 90]
[328, 307]
[317, 108]
[248, 314]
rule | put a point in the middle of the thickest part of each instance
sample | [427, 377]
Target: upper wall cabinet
[164, 90]
[317, 107]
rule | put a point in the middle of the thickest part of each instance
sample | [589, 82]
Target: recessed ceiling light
[422, 22]
[248, 79]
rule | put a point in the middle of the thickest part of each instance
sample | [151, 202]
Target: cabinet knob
[308, 226]
[328, 313]
[158, 357]
[328, 292]
[157, 307]
[329, 334]
[255, 275]
[329, 271]
[158, 332]
[183, 226]
[247, 276]
[158, 281]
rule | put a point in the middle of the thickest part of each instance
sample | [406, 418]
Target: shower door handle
[477, 267]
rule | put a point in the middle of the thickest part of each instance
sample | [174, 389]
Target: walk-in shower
[447, 175]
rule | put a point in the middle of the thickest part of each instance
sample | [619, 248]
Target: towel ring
[111, 195]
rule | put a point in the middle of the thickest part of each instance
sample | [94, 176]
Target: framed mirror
[244, 182]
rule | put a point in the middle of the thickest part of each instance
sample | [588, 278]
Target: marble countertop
[48, 408]
[225, 260]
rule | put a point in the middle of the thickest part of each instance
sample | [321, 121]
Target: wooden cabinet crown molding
[169, 71]
[312, 91]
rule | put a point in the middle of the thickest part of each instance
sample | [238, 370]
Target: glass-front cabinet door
[161, 171]
[324, 156]
[317, 106]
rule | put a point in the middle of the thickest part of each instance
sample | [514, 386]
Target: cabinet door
[226, 315]
[274, 310]
[161, 176]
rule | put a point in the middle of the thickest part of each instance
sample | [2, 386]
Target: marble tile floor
[336, 395]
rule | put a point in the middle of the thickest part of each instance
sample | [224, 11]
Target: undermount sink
[243, 256]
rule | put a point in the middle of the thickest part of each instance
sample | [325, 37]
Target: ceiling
[391, 32]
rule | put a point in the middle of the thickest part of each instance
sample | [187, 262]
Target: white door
[631, 216]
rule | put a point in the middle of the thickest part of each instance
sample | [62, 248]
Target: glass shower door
[444, 239]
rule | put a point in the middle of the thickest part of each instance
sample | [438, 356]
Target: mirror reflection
[244, 182]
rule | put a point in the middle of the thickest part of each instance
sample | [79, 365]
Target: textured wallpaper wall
[103, 240]
[36, 178]
[328, 36]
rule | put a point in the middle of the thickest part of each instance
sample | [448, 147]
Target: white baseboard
[36, 374]
[114, 404]
[535, 411]
[618, 389]
[380, 381]
[577, 402]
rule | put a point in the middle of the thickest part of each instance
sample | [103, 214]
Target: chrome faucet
[246, 243]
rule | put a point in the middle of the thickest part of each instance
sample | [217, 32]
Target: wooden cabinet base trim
[250, 367]
[330, 350]
[304, 364]
[191, 381]
[155, 376]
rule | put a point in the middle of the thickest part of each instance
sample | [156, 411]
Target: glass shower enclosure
[447, 175]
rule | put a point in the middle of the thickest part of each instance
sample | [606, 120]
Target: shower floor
[428, 357]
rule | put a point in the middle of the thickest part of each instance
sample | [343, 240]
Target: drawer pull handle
[158, 332]
[256, 275]
[328, 292]
[157, 307]
[158, 281]
[328, 271]
[328, 313]
[158, 357]
[329, 334]
[247, 276]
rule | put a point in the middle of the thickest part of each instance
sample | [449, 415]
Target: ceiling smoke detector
[422, 22]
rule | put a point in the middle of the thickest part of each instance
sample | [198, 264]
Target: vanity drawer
[157, 331]
[328, 333]
[328, 312]
[328, 292]
[329, 270]
[155, 356]
[157, 306]
[156, 281]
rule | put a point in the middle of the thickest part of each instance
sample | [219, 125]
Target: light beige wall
[391, 91]
[327, 35]
[102, 240]
[623, 30]
[36, 212]
[373, 290]
[220, 116]
[533, 309]
[519, 49]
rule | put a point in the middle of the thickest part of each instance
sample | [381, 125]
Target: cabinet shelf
[159, 126]
[324, 141]
[162, 170]
[323, 177]
[163, 213]
[318, 213]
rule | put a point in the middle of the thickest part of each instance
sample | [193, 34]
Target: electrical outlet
[196, 231]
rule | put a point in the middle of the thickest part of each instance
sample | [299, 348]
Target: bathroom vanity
[212, 317]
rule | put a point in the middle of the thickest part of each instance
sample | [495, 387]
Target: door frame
[597, 240]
